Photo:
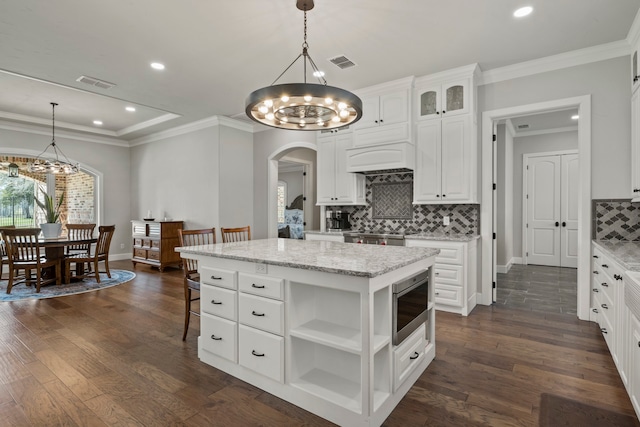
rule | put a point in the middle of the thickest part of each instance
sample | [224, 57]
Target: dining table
[55, 249]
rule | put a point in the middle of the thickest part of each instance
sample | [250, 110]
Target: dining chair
[3, 249]
[190, 267]
[101, 254]
[239, 234]
[23, 253]
[79, 232]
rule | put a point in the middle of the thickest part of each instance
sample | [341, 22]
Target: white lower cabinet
[218, 336]
[261, 313]
[261, 352]
[634, 363]
[326, 237]
[455, 274]
[407, 356]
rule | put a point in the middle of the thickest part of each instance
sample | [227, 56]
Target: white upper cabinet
[385, 109]
[635, 146]
[336, 186]
[443, 100]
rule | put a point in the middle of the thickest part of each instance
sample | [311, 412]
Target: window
[282, 200]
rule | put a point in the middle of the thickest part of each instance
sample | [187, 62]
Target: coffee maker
[337, 220]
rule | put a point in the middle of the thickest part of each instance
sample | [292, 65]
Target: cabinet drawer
[155, 243]
[154, 255]
[218, 277]
[265, 286]
[137, 242]
[450, 255]
[218, 301]
[218, 336]
[140, 253]
[448, 274]
[448, 295]
[607, 332]
[261, 313]
[261, 352]
[407, 356]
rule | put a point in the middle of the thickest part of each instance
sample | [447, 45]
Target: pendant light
[51, 165]
[304, 106]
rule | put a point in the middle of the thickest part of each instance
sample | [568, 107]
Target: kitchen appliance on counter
[337, 220]
[375, 238]
[410, 305]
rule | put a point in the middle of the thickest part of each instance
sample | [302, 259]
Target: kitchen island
[312, 322]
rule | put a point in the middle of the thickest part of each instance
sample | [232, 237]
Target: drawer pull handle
[437, 293]
[437, 274]
[257, 354]
[638, 343]
[595, 290]
[595, 272]
[253, 285]
[415, 355]
[214, 302]
[596, 256]
[213, 337]
[595, 310]
[605, 284]
[605, 266]
[216, 278]
[604, 330]
[604, 306]
[257, 314]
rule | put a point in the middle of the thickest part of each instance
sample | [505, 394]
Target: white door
[326, 169]
[394, 107]
[344, 179]
[427, 182]
[569, 212]
[543, 210]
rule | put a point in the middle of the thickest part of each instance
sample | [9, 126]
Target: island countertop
[330, 257]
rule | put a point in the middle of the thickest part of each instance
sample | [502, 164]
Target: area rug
[23, 292]
[556, 411]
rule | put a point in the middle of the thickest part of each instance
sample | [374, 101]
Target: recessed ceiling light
[523, 11]
[157, 66]
[575, 117]
[130, 109]
[97, 122]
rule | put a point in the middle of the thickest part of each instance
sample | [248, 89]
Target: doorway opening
[489, 208]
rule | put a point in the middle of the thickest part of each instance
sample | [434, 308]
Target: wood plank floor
[115, 357]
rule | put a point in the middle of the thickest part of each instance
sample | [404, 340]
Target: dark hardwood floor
[115, 357]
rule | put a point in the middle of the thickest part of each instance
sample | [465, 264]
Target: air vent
[342, 62]
[92, 81]
[523, 126]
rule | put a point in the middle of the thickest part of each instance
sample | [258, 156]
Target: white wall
[112, 161]
[608, 83]
[266, 143]
[505, 197]
[236, 178]
[526, 145]
[294, 184]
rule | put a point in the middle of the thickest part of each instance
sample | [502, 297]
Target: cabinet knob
[605, 266]
[376, 121]
[557, 224]
[605, 284]
[444, 195]
[595, 272]
[443, 112]
[381, 120]
[438, 112]
[595, 290]
[605, 306]
[596, 256]
[564, 224]
[595, 310]
[415, 355]
[638, 343]
[604, 330]
[437, 195]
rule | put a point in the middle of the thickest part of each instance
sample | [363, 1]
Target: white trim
[272, 182]
[556, 62]
[516, 260]
[120, 257]
[192, 127]
[146, 124]
[511, 128]
[584, 195]
[37, 130]
[546, 131]
[634, 31]
[503, 269]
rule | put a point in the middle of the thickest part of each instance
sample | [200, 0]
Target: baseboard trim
[516, 260]
[119, 257]
[503, 269]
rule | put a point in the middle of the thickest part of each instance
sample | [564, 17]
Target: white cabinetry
[446, 151]
[336, 186]
[385, 114]
[455, 274]
[632, 337]
[634, 363]
[635, 146]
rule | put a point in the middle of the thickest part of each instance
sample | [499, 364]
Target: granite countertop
[627, 254]
[453, 237]
[330, 257]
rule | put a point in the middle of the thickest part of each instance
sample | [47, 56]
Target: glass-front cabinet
[443, 100]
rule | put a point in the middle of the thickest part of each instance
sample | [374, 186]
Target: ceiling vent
[523, 126]
[92, 81]
[342, 62]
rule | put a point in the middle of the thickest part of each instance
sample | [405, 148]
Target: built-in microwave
[410, 305]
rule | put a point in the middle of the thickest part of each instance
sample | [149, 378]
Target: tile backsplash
[464, 219]
[615, 220]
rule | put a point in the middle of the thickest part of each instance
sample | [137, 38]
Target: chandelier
[51, 165]
[304, 106]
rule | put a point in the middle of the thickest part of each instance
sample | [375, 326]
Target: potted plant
[52, 228]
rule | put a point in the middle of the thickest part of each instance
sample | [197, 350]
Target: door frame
[525, 212]
[583, 104]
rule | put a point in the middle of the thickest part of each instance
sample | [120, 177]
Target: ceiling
[555, 121]
[217, 52]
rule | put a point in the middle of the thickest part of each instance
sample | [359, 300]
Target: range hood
[395, 157]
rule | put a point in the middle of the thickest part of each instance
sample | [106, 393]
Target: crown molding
[148, 123]
[545, 131]
[192, 127]
[556, 62]
[28, 128]
[634, 31]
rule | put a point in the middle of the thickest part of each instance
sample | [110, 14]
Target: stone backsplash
[615, 219]
[464, 219]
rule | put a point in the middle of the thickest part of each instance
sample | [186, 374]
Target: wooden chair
[240, 234]
[3, 249]
[190, 267]
[23, 253]
[77, 232]
[101, 254]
